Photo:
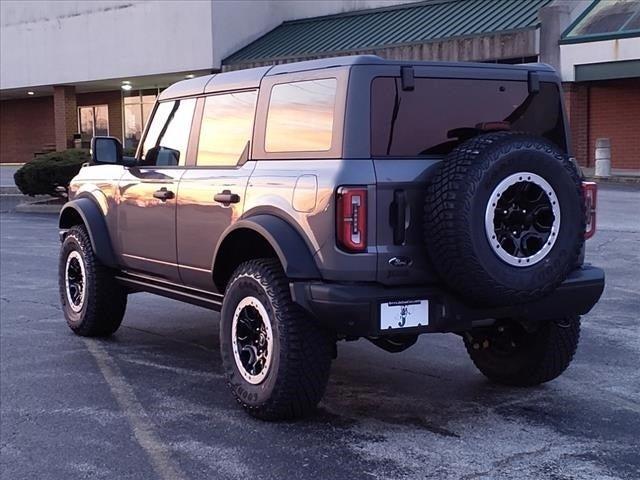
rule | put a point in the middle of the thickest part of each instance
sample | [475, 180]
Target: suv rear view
[340, 199]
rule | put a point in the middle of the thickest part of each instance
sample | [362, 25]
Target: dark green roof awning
[392, 26]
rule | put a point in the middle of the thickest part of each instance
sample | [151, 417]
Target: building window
[93, 121]
[300, 117]
[227, 124]
[137, 106]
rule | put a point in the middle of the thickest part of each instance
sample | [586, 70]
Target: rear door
[413, 129]
[212, 192]
[148, 192]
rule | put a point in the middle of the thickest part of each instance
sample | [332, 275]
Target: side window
[168, 136]
[227, 125]
[300, 116]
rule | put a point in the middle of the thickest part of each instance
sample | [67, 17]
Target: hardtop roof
[251, 77]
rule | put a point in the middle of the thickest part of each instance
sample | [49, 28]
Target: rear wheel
[92, 300]
[506, 353]
[276, 358]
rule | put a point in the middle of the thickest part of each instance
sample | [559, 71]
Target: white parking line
[140, 422]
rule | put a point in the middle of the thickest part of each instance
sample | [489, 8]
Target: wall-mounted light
[126, 87]
[190, 75]
[31, 93]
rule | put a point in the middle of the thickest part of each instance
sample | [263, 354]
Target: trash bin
[77, 140]
[603, 157]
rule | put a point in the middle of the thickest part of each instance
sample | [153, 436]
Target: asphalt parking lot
[151, 401]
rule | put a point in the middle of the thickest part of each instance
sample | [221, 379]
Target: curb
[631, 180]
[34, 207]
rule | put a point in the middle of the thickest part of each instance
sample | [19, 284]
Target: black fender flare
[94, 221]
[292, 251]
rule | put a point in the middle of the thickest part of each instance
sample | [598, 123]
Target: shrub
[43, 174]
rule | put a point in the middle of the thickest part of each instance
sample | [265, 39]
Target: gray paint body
[176, 239]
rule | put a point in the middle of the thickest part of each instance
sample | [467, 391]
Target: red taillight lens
[590, 194]
[351, 218]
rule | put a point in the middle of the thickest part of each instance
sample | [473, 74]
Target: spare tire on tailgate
[504, 218]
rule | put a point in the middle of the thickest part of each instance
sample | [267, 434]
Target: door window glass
[227, 125]
[168, 136]
[300, 117]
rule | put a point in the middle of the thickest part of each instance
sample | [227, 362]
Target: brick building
[600, 63]
[58, 83]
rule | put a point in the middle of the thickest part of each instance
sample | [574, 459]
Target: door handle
[163, 194]
[398, 217]
[226, 197]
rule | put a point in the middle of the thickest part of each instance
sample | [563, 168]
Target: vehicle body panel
[100, 183]
[146, 225]
[201, 220]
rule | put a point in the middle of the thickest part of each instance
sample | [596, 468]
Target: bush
[43, 174]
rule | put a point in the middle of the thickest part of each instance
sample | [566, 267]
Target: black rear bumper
[354, 309]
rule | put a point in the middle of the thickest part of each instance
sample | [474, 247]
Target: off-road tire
[538, 357]
[105, 299]
[455, 207]
[302, 351]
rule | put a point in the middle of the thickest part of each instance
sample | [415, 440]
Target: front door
[211, 195]
[148, 193]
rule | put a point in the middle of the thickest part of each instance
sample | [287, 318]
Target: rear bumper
[354, 309]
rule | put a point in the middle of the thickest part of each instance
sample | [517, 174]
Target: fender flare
[292, 251]
[95, 224]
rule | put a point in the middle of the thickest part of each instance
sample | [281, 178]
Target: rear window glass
[441, 113]
[300, 117]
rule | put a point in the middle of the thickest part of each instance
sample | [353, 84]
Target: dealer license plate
[404, 314]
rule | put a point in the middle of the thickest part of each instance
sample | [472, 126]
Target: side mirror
[106, 150]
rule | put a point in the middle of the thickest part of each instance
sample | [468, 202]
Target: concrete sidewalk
[6, 175]
[618, 175]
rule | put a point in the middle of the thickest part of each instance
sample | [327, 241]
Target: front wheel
[92, 300]
[276, 358]
[506, 353]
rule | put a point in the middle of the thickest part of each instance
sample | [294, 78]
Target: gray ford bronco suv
[344, 198]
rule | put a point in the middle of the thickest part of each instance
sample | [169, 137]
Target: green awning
[607, 70]
[406, 24]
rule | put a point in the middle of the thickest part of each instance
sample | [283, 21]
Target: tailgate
[400, 197]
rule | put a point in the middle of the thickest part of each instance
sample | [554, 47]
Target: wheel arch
[84, 211]
[258, 237]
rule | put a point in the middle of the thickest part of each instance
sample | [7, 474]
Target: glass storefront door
[137, 106]
[93, 121]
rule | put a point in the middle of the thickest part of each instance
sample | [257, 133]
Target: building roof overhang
[401, 25]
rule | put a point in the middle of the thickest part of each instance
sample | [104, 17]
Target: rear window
[441, 113]
[300, 117]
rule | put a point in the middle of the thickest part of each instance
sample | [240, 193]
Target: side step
[143, 283]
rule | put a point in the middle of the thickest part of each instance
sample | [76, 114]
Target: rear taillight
[351, 218]
[590, 195]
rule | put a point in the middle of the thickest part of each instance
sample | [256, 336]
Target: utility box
[603, 157]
